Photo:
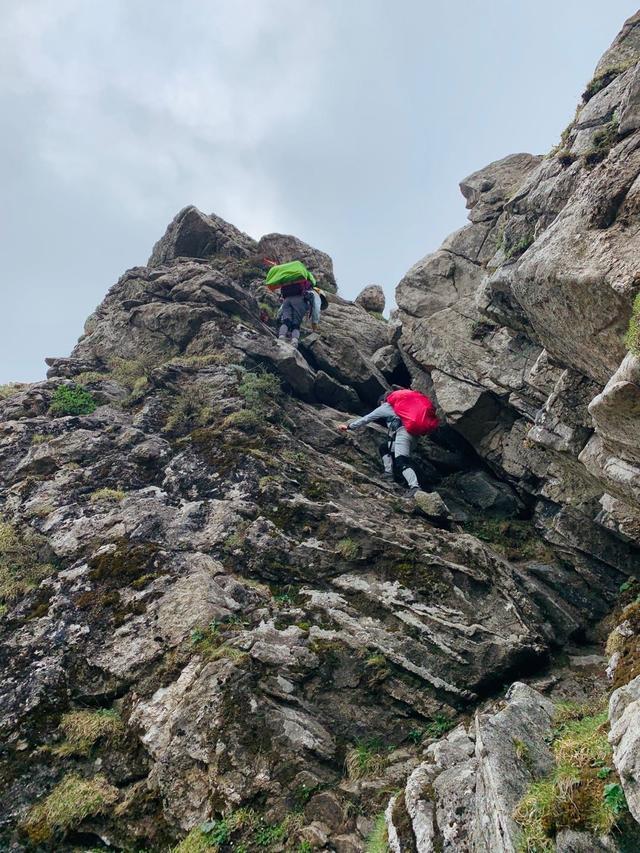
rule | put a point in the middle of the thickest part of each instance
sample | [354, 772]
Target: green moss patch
[124, 564]
[515, 540]
[632, 338]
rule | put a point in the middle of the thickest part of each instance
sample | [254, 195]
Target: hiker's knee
[404, 462]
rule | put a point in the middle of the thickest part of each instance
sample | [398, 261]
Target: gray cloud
[348, 124]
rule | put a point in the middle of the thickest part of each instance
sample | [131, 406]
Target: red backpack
[417, 412]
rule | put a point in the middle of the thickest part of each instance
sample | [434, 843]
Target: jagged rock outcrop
[519, 318]
[202, 557]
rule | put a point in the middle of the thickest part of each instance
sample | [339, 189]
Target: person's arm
[383, 411]
[315, 309]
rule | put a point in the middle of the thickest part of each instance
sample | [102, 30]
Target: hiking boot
[388, 476]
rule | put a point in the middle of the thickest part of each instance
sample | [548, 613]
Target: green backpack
[292, 272]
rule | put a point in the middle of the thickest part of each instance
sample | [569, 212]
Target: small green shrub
[70, 802]
[632, 338]
[39, 438]
[260, 390]
[24, 562]
[614, 798]
[72, 400]
[107, 495]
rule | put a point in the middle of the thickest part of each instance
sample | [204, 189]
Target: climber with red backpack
[407, 414]
[300, 298]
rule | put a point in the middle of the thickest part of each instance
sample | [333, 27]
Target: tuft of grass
[364, 759]
[583, 742]
[602, 142]
[195, 842]
[190, 410]
[438, 726]
[107, 495]
[23, 562]
[197, 361]
[89, 376]
[84, 729]
[632, 338]
[72, 400]
[260, 390]
[378, 841]
[246, 420]
[602, 80]
[39, 438]
[520, 247]
[70, 802]
[133, 373]
[348, 549]
[10, 389]
[522, 751]
[575, 795]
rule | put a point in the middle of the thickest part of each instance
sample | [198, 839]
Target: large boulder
[284, 247]
[194, 234]
[371, 299]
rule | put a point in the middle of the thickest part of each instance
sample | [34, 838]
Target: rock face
[220, 626]
[519, 318]
[203, 557]
[462, 797]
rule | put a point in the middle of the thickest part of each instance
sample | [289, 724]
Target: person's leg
[298, 311]
[285, 320]
[387, 458]
[402, 451]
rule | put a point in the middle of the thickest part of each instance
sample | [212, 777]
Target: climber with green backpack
[300, 298]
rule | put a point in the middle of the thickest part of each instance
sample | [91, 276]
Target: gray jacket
[384, 411]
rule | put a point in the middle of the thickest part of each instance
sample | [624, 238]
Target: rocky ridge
[221, 627]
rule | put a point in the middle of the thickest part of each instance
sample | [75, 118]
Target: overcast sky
[348, 123]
